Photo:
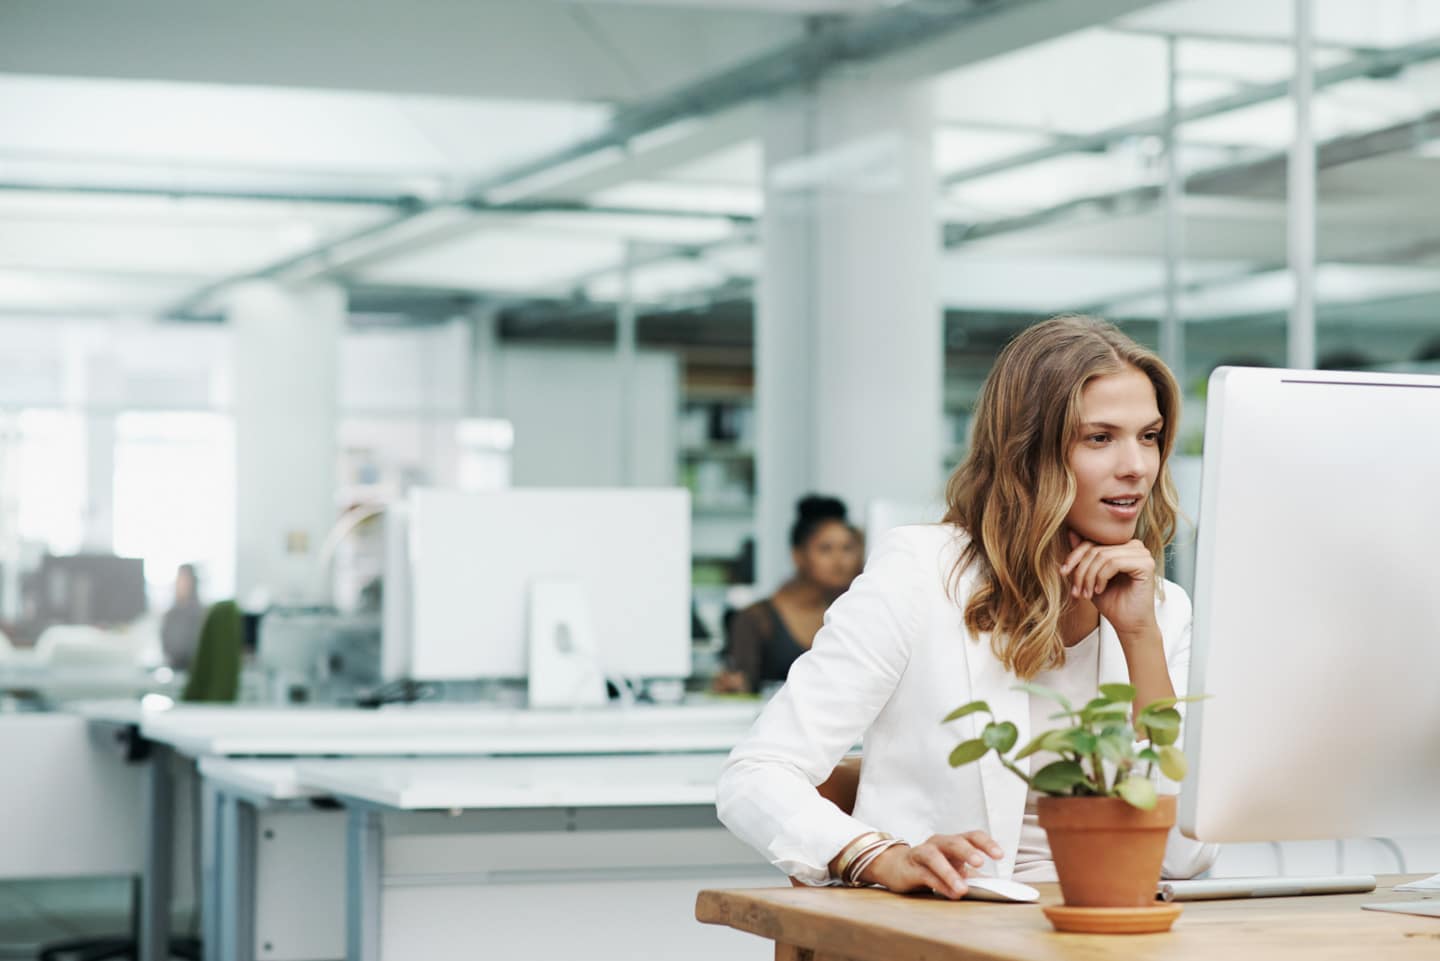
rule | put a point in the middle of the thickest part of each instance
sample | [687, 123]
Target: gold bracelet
[866, 858]
[851, 850]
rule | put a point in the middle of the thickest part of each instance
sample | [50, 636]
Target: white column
[849, 339]
[100, 482]
[1300, 200]
[287, 356]
[483, 390]
[1172, 326]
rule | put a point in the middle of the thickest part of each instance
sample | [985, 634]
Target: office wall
[565, 405]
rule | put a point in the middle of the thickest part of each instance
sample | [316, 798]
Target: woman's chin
[1106, 535]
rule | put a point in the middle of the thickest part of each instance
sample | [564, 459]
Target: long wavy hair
[1013, 491]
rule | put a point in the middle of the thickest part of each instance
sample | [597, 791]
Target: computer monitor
[1317, 609]
[462, 568]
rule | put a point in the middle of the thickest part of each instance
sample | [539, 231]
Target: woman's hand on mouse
[941, 864]
[1119, 579]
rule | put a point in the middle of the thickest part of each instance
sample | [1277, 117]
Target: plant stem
[1013, 769]
[1099, 767]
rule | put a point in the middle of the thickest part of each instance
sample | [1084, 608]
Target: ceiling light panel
[672, 195]
[514, 260]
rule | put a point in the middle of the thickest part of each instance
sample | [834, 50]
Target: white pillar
[100, 436]
[849, 338]
[1300, 201]
[287, 357]
[482, 393]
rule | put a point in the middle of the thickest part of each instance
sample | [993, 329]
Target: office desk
[543, 858]
[837, 924]
[192, 733]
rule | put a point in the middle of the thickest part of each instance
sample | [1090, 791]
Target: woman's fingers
[985, 843]
[944, 879]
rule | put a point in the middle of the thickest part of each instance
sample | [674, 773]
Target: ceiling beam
[916, 24]
[1385, 63]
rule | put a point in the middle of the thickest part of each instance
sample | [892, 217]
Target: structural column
[1300, 194]
[848, 339]
[287, 358]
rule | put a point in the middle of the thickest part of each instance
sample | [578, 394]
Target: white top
[1078, 681]
[892, 660]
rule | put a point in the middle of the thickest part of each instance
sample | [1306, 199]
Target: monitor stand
[565, 667]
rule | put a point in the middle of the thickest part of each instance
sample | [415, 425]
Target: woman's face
[1116, 457]
[831, 557]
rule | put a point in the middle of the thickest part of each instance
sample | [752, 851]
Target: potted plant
[1106, 823]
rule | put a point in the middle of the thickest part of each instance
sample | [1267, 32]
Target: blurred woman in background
[767, 637]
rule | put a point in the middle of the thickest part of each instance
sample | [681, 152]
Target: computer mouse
[999, 889]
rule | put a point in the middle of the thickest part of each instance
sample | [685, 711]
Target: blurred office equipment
[318, 654]
[1317, 619]
[83, 589]
[460, 590]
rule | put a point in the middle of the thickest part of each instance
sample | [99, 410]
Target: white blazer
[893, 658]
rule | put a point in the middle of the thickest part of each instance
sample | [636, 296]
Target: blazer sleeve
[1184, 857]
[766, 794]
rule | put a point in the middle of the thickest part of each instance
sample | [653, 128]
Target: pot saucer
[1147, 920]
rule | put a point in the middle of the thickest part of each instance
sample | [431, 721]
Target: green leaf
[1172, 763]
[1096, 704]
[1163, 738]
[1165, 702]
[1166, 719]
[1045, 692]
[1149, 754]
[1138, 792]
[1058, 778]
[1115, 748]
[1036, 744]
[967, 751]
[1000, 736]
[1104, 717]
[1118, 692]
[1057, 741]
[1081, 742]
[966, 709]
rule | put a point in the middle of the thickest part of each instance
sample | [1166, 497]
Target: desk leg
[210, 800]
[155, 886]
[235, 895]
[362, 885]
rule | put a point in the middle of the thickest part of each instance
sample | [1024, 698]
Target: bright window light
[42, 478]
[175, 498]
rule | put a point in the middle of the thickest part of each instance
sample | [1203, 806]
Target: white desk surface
[414, 784]
[273, 780]
[200, 731]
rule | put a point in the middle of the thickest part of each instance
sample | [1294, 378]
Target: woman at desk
[1045, 569]
[767, 637]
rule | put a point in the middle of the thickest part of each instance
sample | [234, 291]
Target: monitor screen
[472, 558]
[1317, 609]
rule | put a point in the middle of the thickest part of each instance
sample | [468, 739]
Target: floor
[35, 913]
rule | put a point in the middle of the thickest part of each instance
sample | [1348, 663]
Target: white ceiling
[538, 75]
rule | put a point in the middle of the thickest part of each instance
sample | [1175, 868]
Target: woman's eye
[1098, 438]
[1153, 436]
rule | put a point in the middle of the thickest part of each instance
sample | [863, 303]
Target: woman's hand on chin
[1119, 579]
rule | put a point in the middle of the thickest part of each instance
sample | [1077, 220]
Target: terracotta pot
[1106, 852]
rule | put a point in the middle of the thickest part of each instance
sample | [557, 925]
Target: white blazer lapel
[1113, 668]
[1004, 792]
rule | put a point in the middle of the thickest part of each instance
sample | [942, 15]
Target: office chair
[215, 669]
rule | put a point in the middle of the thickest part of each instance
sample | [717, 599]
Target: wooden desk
[836, 924]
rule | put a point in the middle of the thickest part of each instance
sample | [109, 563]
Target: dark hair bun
[816, 507]
[813, 512]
